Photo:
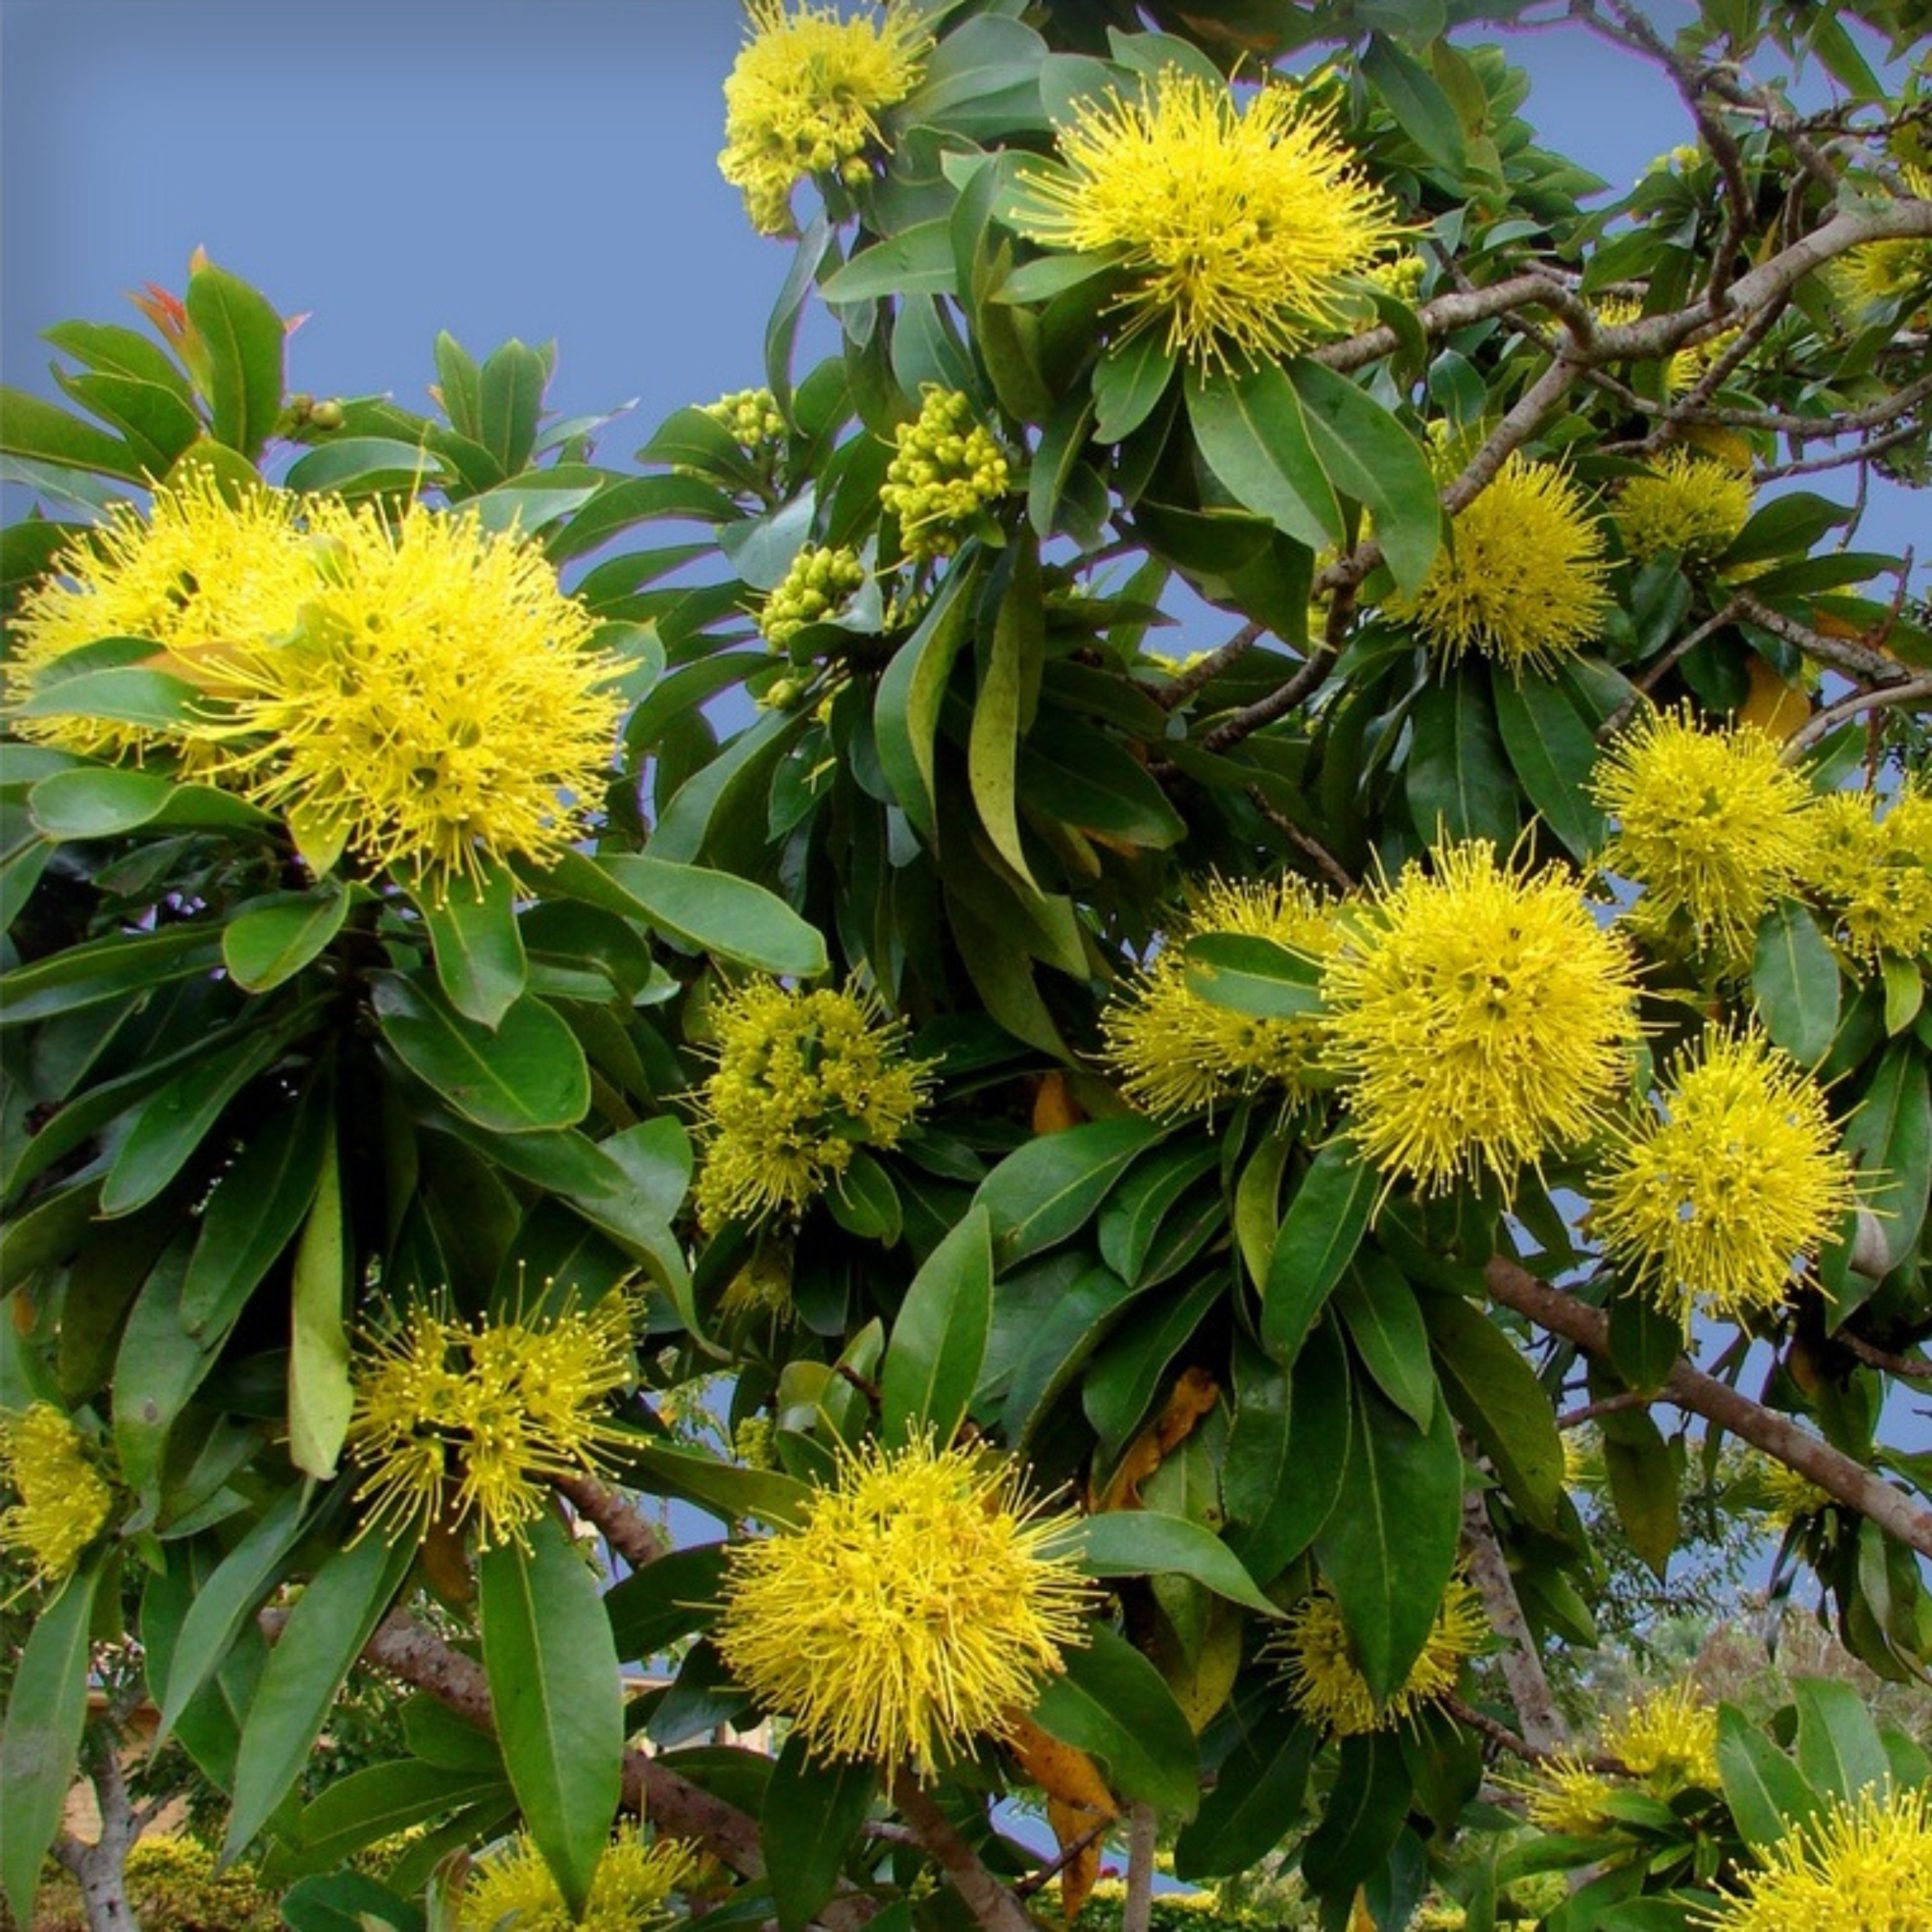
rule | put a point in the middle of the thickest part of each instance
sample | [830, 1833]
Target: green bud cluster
[751, 415]
[818, 582]
[947, 469]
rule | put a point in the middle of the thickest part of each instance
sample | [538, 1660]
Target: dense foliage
[538, 992]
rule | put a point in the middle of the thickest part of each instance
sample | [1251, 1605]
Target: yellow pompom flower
[198, 573]
[1708, 1204]
[947, 469]
[1780, 1492]
[462, 1422]
[1325, 1685]
[1566, 1796]
[1711, 824]
[1874, 871]
[1481, 1017]
[1179, 1054]
[1238, 232]
[804, 96]
[1882, 272]
[1688, 503]
[1669, 1738]
[1862, 1867]
[1521, 580]
[816, 582]
[802, 1078]
[919, 1602]
[440, 706]
[64, 1501]
[510, 1888]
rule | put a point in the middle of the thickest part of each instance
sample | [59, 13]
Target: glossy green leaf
[91, 802]
[158, 1367]
[1148, 1542]
[1112, 1704]
[1366, 1805]
[1043, 1191]
[723, 1488]
[906, 708]
[105, 969]
[1379, 1310]
[529, 1073]
[1890, 1138]
[1252, 431]
[332, 1619]
[1256, 1801]
[1133, 1215]
[1122, 1386]
[1645, 1341]
[1422, 110]
[1495, 1394]
[1767, 1793]
[480, 963]
[127, 694]
[46, 1709]
[1644, 1487]
[812, 1812]
[1839, 1749]
[1320, 1232]
[1390, 1544]
[1553, 751]
[1089, 779]
[379, 1801]
[731, 918]
[553, 1684]
[918, 260]
[1128, 381]
[321, 1397]
[1249, 974]
[939, 1337]
[277, 936]
[1368, 455]
[1794, 982]
[1002, 708]
[654, 1607]
[1286, 1453]
[1460, 784]
[242, 337]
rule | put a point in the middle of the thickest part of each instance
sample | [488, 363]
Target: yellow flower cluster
[801, 1078]
[1237, 232]
[918, 1604]
[1889, 272]
[1328, 1688]
[1669, 1738]
[1711, 824]
[1873, 870]
[1784, 1496]
[947, 469]
[804, 96]
[64, 1500]
[511, 1887]
[1402, 278]
[1708, 1205]
[1179, 1054]
[1521, 580]
[1688, 503]
[1480, 1016]
[817, 583]
[1567, 1796]
[457, 1421]
[1860, 1868]
[752, 416]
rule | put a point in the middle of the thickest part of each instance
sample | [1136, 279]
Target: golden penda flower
[1327, 1686]
[1861, 1866]
[948, 469]
[510, 1888]
[1688, 503]
[1669, 1738]
[1872, 870]
[64, 1501]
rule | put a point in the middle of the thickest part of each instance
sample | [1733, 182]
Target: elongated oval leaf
[1042, 1192]
[1553, 751]
[1319, 1235]
[731, 918]
[1145, 1543]
[812, 1812]
[1494, 1394]
[1379, 1308]
[529, 1073]
[321, 1397]
[553, 1670]
[1252, 431]
[1248, 974]
[1768, 1794]
[939, 1338]
[1111, 1704]
[274, 939]
[1794, 982]
[1255, 1802]
[479, 951]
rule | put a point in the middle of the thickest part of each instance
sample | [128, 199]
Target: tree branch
[1822, 723]
[1690, 1389]
[1855, 660]
[1529, 1690]
[1137, 1910]
[626, 1528]
[990, 1903]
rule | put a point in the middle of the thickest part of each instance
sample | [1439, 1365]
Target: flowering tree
[1143, 1157]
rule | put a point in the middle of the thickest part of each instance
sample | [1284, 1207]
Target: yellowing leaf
[1194, 1395]
[1775, 707]
[1077, 1800]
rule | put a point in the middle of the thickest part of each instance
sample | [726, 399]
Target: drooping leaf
[1043, 1191]
[1256, 1801]
[939, 1337]
[1794, 982]
[1320, 1232]
[812, 1812]
[321, 1397]
[1112, 1704]
[480, 963]
[1768, 1794]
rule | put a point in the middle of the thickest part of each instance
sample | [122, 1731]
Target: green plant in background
[538, 990]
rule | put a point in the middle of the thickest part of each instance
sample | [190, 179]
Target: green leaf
[321, 1397]
[731, 918]
[1422, 110]
[1002, 708]
[46, 1709]
[1553, 751]
[92, 802]
[365, 463]
[509, 402]
[1839, 1749]
[1643, 1486]
[1255, 1802]
[1145, 1543]
[279, 934]
[1287, 1451]
[243, 337]
[1089, 779]
[1890, 1138]
[1767, 1793]
[1379, 1308]
[479, 952]
[1119, 1392]
[377, 1802]
[1366, 1805]
[1459, 784]
[654, 1607]
[1045, 1191]
[1249, 974]
[105, 969]
[918, 260]
[812, 1813]
[529, 1073]
[226, 1600]
[331, 1621]
[254, 1211]
[939, 1337]
[1495, 1394]
[126, 694]
[906, 708]
[158, 1367]
[1132, 1218]
[44, 432]
[1112, 1704]
[1795, 982]
[1369, 456]
[1129, 380]
[1645, 1342]
[1253, 436]
[723, 1488]
[552, 1669]
[1320, 1232]
[1390, 1545]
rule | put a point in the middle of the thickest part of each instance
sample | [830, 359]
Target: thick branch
[1138, 1910]
[1822, 723]
[1855, 660]
[626, 1528]
[1438, 318]
[990, 1903]
[1536, 1711]
[1699, 1394]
